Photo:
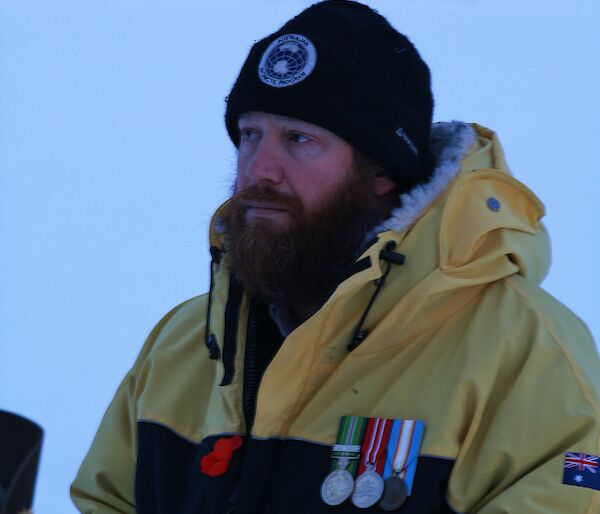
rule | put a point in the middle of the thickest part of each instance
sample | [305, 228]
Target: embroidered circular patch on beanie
[288, 60]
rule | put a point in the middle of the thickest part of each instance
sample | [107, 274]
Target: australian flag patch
[581, 470]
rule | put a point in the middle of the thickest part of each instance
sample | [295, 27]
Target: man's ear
[383, 184]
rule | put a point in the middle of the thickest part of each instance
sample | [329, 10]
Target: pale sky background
[113, 156]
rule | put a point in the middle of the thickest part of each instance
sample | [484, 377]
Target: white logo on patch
[287, 60]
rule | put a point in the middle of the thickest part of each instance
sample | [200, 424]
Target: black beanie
[342, 66]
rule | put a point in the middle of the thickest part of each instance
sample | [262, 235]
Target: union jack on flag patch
[581, 461]
[581, 469]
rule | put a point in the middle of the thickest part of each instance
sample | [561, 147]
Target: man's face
[301, 208]
[296, 159]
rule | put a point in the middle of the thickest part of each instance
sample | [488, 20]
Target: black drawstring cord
[390, 257]
[211, 339]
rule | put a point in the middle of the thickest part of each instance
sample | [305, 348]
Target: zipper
[263, 340]
[251, 372]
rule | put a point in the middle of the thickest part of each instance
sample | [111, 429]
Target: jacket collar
[450, 142]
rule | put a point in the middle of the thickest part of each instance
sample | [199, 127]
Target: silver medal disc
[395, 492]
[367, 489]
[337, 487]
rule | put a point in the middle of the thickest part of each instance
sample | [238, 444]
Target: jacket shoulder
[186, 317]
[559, 331]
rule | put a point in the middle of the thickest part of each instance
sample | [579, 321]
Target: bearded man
[375, 337]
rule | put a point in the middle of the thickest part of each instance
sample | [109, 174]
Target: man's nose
[265, 163]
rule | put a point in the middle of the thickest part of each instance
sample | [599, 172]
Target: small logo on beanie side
[287, 60]
[401, 133]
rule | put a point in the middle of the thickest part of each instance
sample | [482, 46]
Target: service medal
[369, 484]
[367, 489]
[339, 483]
[337, 487]
[401, 462]
[395, 493]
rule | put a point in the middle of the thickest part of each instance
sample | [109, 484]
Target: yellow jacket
[461, 336]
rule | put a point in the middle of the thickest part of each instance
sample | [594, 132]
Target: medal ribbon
[374, 445]
[348, 444]
[403, 450]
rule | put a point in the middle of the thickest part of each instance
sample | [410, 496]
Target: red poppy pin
[216, 462]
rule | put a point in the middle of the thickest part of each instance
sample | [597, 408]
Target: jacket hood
[488, 223]
[471, 225]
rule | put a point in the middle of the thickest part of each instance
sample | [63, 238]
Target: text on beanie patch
[287, 60]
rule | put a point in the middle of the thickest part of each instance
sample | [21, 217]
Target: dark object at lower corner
[20, 448]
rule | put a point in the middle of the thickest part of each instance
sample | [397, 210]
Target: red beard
[301, 261]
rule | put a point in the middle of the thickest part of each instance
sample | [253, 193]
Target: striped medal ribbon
[401, 462]
[339, 483]
[369, 484]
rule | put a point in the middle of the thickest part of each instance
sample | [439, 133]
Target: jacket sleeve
[546, 403]
[105, 483]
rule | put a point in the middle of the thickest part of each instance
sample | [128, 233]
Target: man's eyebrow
[303, 126]
[244, 119]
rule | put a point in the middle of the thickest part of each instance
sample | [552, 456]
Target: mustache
[266, 194]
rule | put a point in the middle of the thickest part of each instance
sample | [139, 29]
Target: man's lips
[266, 206]
[266, 210]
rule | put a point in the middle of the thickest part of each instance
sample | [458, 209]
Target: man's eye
[299, 138]
[247, 134]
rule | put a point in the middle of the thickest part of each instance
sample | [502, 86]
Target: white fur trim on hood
[450, 141]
